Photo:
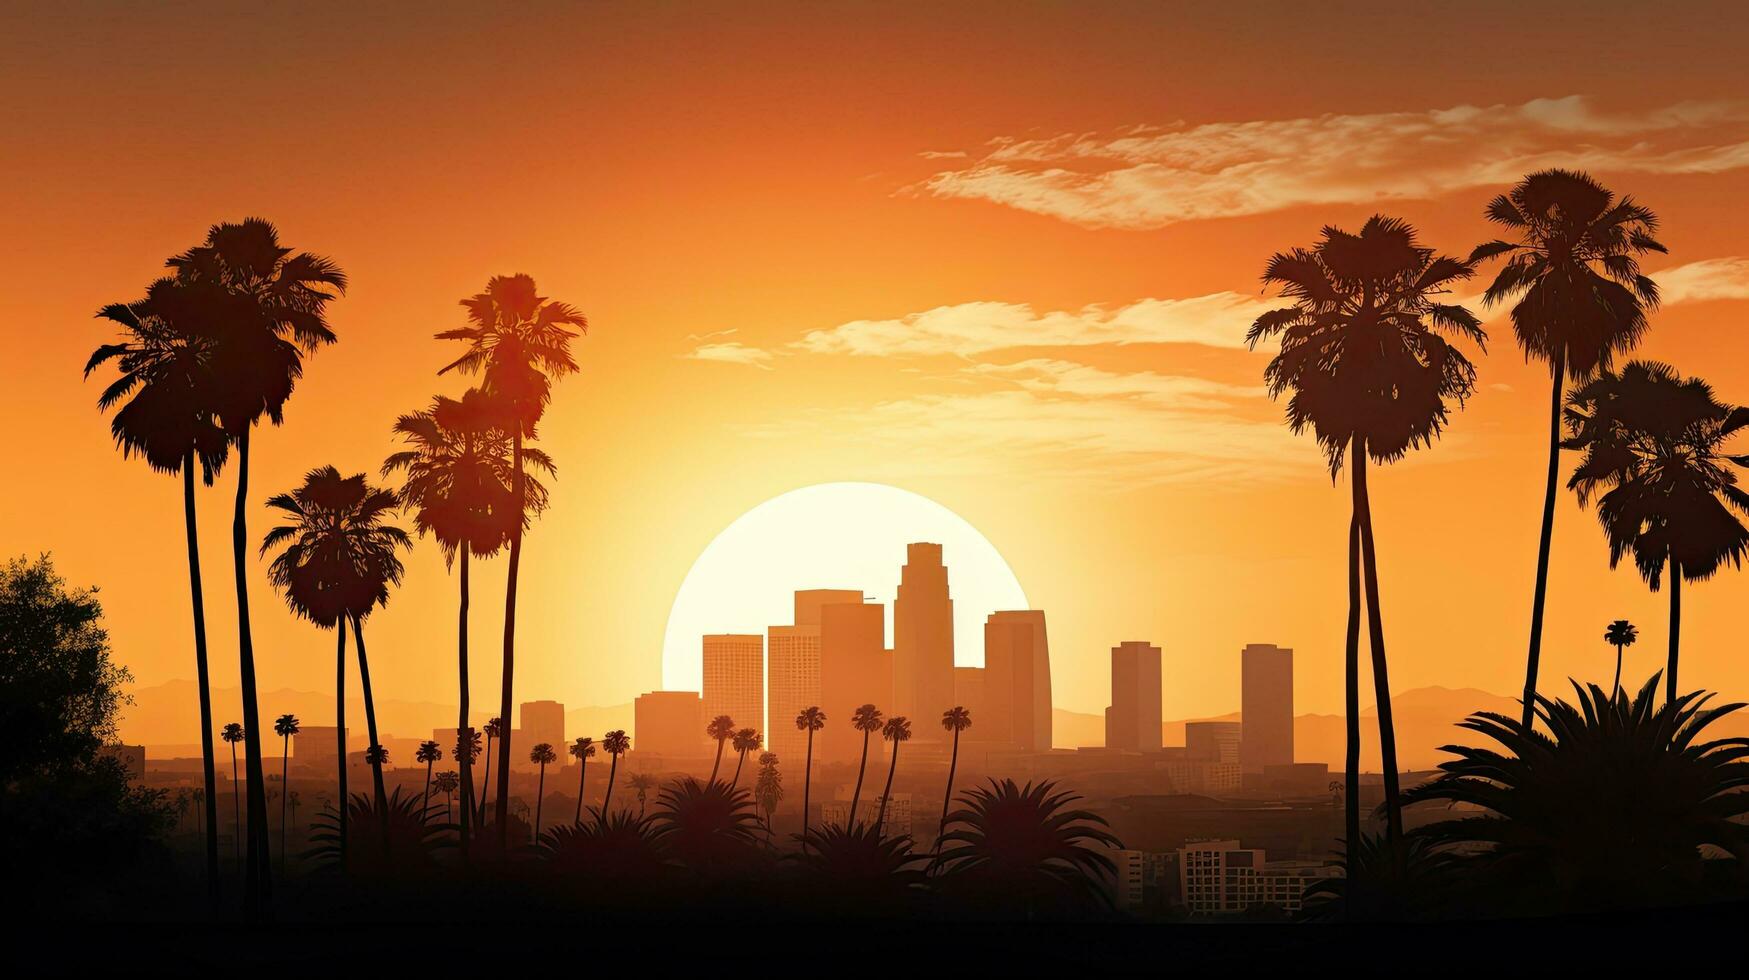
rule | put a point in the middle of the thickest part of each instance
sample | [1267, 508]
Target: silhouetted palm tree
[810, 720]
[457, 484]
[376, 755]
[708, 827]
[896, 730]
[721, 728]
[615, 743]
[955, 719]
[466, 753]
[494, 730]
[745, 740]
[768, 789]
[582, 750]
[643, 782]
[517, 339]
[861, 872]
[619, 852]
[1018, 850]
[233, 734]
[1364, 352]
[267, 307]
[428, 752]
[1581, 300]
[338, 561]
[411, 855]
[540, 755]
[168, 420]
[447, 782]
[1620, 634]
[1658, 442]
[867, 720]
[285, 726]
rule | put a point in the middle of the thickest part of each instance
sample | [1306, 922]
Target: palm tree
[447, 782]
[428, 752]
[517, 339]
[955, 719]
[167, 419]
[1019, 850]
[897, 729]
[1364, 351]
[1620, 634]
[291, 799]
[494, 730]
[745, 740]
[337, 564]
[721, 728]
[616, 743]
[1581, 300]
[285, 726]
[1658, 442]
[376, 755]
[233, 734]
[540, 755]
[811, 720]
[466, 752]
[867, 720]
[265, 306]
[643, 782]
[768, 789]
[582, 750]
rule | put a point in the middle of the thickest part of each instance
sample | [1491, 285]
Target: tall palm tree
[867, 720]
[494, 730]
[1364, 351]
[721, 728]
[339, 558]
[540, 755]
[267, 305]
[582, 750]
[615, 743]
[896, 730]
[167, 419]
[955, 719]
[1620, 634]
[285, 726]
[810, 720]
[1573, 265]
[233, 734]
[1658, 442]
[457, 468]
[518, 340]
[745, 740]
[429, 752]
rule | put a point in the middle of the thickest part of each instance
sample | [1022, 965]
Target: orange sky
[782, 191]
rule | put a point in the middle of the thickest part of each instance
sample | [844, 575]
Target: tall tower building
[1132, 722]
[670, 725]
[793, 684]
[1266, 735]
[734, 678]
[809, 602]
[542, 721]
[923, 641]
[1017, 679]
[854, 670]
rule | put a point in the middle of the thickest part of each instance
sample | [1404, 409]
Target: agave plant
[415, 837]
[706, 826]
[1020, 850]
[871, 872]
[621, 848]
[1612, 808]
[1377, 887]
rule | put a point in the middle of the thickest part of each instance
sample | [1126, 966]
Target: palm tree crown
[810, 720]
[285, 726]
[866, 718]
[956, 719]
[428, 752]
[519, 340]
[458, 479]
[339, 556]
[583, 748]
[1621, 633]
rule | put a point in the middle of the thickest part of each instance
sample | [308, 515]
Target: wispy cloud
[1149, 177]
[732, 352]
[1723, 278]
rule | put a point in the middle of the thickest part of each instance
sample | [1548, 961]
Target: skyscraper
[969, 693]
[734, 678]
[794, 684]
[1132, 722]
[923, 641]
[809, 602]
[1266, 737]
[854, 670]
[1017, 679]
[669, 724]
[542, 721]
[1213, 741]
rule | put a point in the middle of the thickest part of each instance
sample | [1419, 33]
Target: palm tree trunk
[1675, 628]
[200, 668]
[284, 797]
[516, 494]
[1351, 702]
[1380, 675]
[1617, 687]
[1559, 368]
[947, 801]
[612, 772]
[257, 879]
[741, 759]
[887, 793]
[236, 808]
[807, 788]
[465, 760]
[582, 773]
[850, 824]
[486, 780]
[340, 728]
[719, 763]
[540, 799]
[425, 798]
[370, 722]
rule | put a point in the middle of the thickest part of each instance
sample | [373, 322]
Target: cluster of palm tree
[1369, 361]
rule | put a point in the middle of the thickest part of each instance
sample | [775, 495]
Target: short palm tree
[768, 788]
[583, 749]
[721, 729]
[519, 341]
[861, 872]
[707, 827]
[955, 719]
[494, 730]
[540, 755]
[866, 719]
[1021, 849]
[1366, 355]
[429, 752]
[466, 752]
[1620, 634]
[615, 743]
[745, 740]
[810, 720]
[447, 782]
[1573, 266]
[285, 726]
[1658, 443]
[643, 782]
[896, 730]
[233, 734]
